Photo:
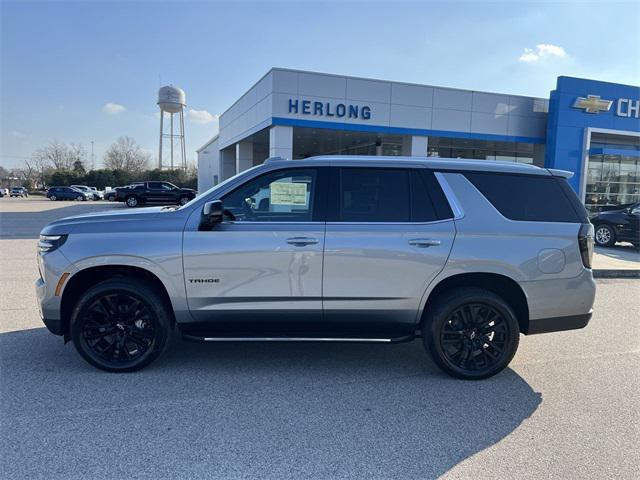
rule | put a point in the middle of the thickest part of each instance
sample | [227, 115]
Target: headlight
[49, 243]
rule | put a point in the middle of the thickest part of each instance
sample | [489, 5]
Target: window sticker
[288, 193]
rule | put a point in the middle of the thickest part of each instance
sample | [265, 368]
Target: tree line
[61, 164]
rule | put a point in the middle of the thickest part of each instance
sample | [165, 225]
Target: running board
[297, 339]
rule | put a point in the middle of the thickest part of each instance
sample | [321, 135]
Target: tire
[131, 201]
[459, 345]
[121, 325]
[80, 198]
[604, 235]
[183, 200]
[53, 198]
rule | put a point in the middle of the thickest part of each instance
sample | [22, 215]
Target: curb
[616, 274]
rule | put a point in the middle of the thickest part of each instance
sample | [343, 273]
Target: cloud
[17, 134]
[201, 116]
[542, 50]
[113, 108]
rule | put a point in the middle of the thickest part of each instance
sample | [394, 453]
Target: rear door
[259, 272]
[385, 241]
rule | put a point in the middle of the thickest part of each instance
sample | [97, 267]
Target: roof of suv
[430, 162]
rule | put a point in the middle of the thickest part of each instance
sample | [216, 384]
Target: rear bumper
[557, 324]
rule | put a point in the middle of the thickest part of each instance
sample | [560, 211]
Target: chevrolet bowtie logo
[593, 104]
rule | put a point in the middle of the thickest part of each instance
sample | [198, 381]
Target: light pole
[93, 160]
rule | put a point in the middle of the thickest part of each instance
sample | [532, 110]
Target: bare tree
[58, 154]
[125, 154]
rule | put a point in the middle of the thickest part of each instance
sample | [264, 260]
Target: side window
[374, 195]
[421, 206]
[167, 186]
[533, 198]
[280, 196]
[154, 186]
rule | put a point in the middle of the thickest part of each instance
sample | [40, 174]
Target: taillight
[585, 241]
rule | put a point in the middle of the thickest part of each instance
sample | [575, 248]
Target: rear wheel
[183, 200]
[120, 325]
[79, 198]
[605, 236]
[131, 201]
[471, 333]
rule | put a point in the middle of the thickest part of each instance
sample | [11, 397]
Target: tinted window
[284, 195]
[438, 198]
[374, 195]
[526, 197]
[421, 206]
[154, 186]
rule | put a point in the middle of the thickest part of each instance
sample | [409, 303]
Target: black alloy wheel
[471, 333]
[120, 325]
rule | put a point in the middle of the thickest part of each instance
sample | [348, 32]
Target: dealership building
[589, 127]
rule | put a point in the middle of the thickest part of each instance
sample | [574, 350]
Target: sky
[89, 71]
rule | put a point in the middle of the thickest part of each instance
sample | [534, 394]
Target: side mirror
[212, 213]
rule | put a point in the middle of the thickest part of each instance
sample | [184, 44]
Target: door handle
[301, 241]
[424, 242]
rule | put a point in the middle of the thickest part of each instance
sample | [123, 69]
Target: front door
[259, 272]
[159, 192]
[385, 243]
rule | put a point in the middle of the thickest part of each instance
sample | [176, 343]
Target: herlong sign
[329, 109]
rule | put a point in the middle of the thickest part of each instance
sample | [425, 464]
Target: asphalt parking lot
[568, 406]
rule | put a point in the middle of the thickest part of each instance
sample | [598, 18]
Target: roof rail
[275, 159]
[560, 173]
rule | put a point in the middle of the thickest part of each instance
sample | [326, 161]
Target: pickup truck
[154, 192]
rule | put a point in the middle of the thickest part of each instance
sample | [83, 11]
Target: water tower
[172, 100]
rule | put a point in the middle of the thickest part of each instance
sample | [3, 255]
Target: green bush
[118, 178]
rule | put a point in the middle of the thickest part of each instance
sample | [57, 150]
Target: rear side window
[374, 195]
[397, 195]
[527, 197]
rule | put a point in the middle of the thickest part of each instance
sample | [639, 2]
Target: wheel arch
[84, 279]
[501, 285]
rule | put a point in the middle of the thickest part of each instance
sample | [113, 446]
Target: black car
[619, 225]
[154, 192]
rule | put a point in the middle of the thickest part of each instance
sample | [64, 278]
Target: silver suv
[463, 254]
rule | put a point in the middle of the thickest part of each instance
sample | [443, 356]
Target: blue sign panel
[578, 104]
[328, 109]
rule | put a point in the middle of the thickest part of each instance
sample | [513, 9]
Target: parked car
[4, 192]
[464, 254]
[618, 225]
[19, 192]
[154, 192]
[93, 192]
[67, 193]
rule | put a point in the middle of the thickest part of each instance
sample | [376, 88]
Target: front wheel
[53, 198]
[79, 198]
[471, 333]
[120, 325]
[183, 200]
[605, 236]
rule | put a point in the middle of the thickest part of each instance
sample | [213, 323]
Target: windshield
[216, 187]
